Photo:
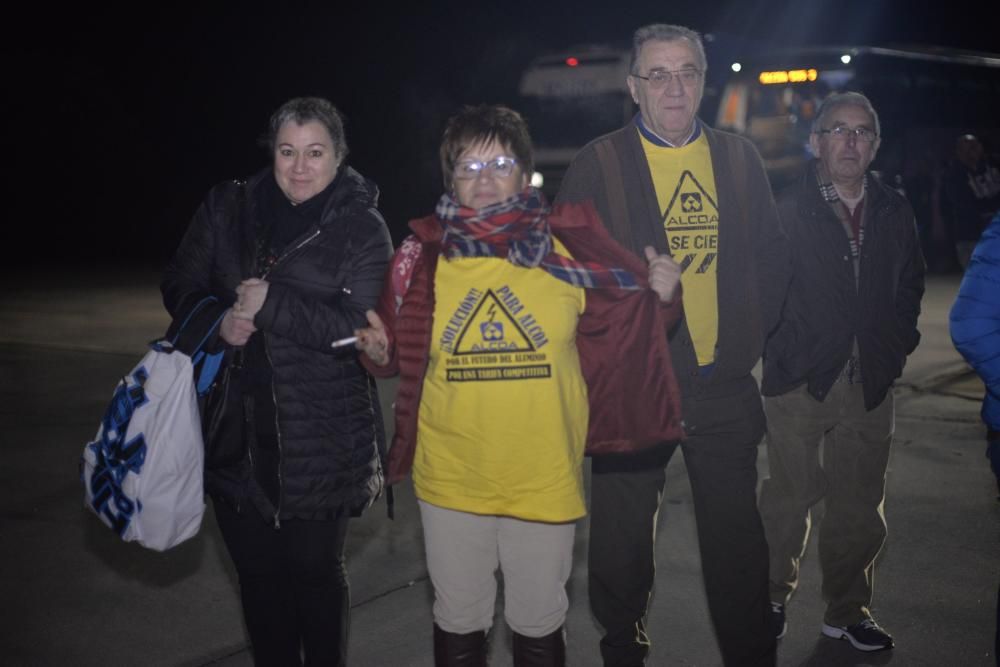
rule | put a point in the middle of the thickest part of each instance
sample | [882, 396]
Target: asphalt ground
[72, 594]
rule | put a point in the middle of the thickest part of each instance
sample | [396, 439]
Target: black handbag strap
[190, 334]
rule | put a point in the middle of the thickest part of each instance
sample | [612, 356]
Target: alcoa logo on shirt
[500, 320]
[492, 331]
[492, 336]
[691, 222]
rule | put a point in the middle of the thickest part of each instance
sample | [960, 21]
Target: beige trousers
[850, 479]
[463, 553]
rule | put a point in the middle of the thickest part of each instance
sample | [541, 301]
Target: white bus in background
[569, 99]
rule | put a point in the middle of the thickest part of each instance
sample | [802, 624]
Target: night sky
[120, 120]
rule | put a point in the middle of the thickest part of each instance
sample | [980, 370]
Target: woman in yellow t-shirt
[480, 316]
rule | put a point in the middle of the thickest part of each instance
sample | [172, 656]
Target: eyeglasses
[841, 132]
[660, 78]
[498, 167]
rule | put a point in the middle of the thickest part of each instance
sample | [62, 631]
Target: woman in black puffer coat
[293, 257]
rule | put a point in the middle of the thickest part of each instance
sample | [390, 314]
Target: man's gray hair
[847, 99]
[304, 110]
[663, 32]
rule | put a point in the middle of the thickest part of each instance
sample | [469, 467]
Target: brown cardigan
[753, 258]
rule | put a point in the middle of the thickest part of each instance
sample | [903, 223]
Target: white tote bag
[142, 474]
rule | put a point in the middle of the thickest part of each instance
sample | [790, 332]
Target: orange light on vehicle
[788, 76]
[572, 62]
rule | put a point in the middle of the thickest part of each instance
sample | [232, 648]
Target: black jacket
[329, 424]
[824, 312]
[971, 198]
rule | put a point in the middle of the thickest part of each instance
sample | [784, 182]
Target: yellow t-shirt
[685, 190]
[503, 413]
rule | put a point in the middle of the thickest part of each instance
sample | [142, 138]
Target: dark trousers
[293, 585]
[720, 452]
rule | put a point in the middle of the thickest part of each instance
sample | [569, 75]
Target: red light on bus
[572, 62]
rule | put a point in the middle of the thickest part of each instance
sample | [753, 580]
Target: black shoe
[864, 636]
[778, 622]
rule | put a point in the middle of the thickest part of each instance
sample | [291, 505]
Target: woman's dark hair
[482, 124]
[304, 110]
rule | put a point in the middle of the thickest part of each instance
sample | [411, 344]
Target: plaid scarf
[829, 192]
[517, 229]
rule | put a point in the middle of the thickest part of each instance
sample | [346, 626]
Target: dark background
[118, 120]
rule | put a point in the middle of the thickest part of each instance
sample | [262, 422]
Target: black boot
[547, 651]
[455, 650]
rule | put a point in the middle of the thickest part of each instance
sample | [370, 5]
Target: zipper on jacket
[237, 363]
[285, 254]
[274, 394]
[248, 419]
[277, 433]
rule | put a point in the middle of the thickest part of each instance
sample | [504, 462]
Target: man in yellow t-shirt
[669, 181]
[685, 192]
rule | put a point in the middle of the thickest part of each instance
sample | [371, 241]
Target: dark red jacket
[633, 395]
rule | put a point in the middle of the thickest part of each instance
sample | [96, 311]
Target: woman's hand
[250, 296]
[664, 274]
[236, 330]
[373, 341]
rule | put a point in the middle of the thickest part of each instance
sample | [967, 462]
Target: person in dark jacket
[848, 323]
[294, 258]
[521, 334]
[971, 194]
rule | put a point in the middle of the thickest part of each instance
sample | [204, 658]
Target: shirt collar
[657, 140]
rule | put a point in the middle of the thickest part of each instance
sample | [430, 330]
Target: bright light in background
[537, 180]
[737, 67]
[846, 58]
[572, 62]
[789, 76]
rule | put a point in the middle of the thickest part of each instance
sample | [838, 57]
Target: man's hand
[664, 274]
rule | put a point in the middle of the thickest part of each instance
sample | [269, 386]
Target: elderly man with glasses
[847, 326]
[667, 183]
